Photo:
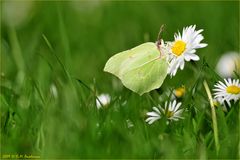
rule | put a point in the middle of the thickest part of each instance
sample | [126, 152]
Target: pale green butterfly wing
[140, 69]
[141, 55]
[115, 64]
[147, 77]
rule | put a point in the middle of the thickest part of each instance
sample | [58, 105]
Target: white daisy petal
[152, 114]
[187, 57]
[181, 65]
[227, 83]
[150, 120]
[234, 82]
[230, 81]
[156, 109]
[202, 45]
[192, 51]
[194, 57]
[237, 81]
[174, 102]
[178, 105]
[222, 84]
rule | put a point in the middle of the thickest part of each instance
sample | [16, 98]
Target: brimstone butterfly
[141, 69]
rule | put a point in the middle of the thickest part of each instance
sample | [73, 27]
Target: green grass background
[62, 41]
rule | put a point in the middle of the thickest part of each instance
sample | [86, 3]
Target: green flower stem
[214, 118]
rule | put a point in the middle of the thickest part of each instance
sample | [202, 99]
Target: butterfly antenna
[159, 37]
[160, 32]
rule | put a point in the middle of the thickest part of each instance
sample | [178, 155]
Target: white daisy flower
[171, 112]
[184, 47]
[228, 63]
[129, 123]
[17, 13]
[104, 100]
[228, 91]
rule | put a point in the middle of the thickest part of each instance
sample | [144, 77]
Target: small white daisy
[228, 91]
[183, 48]
[228, 63]
[171, 112]
[104, 100]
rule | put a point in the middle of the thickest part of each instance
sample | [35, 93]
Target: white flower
[171, 112]
[228, 91]
[183, 48]
[228, 63]
[104, 100]
[17, 13]
[129, 123]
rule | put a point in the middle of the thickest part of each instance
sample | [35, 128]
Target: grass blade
[214, 118]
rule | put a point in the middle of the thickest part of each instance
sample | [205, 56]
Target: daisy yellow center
[169, 114]
[233, 89]
[179, 47]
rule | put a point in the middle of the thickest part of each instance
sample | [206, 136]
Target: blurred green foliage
[45, 111]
